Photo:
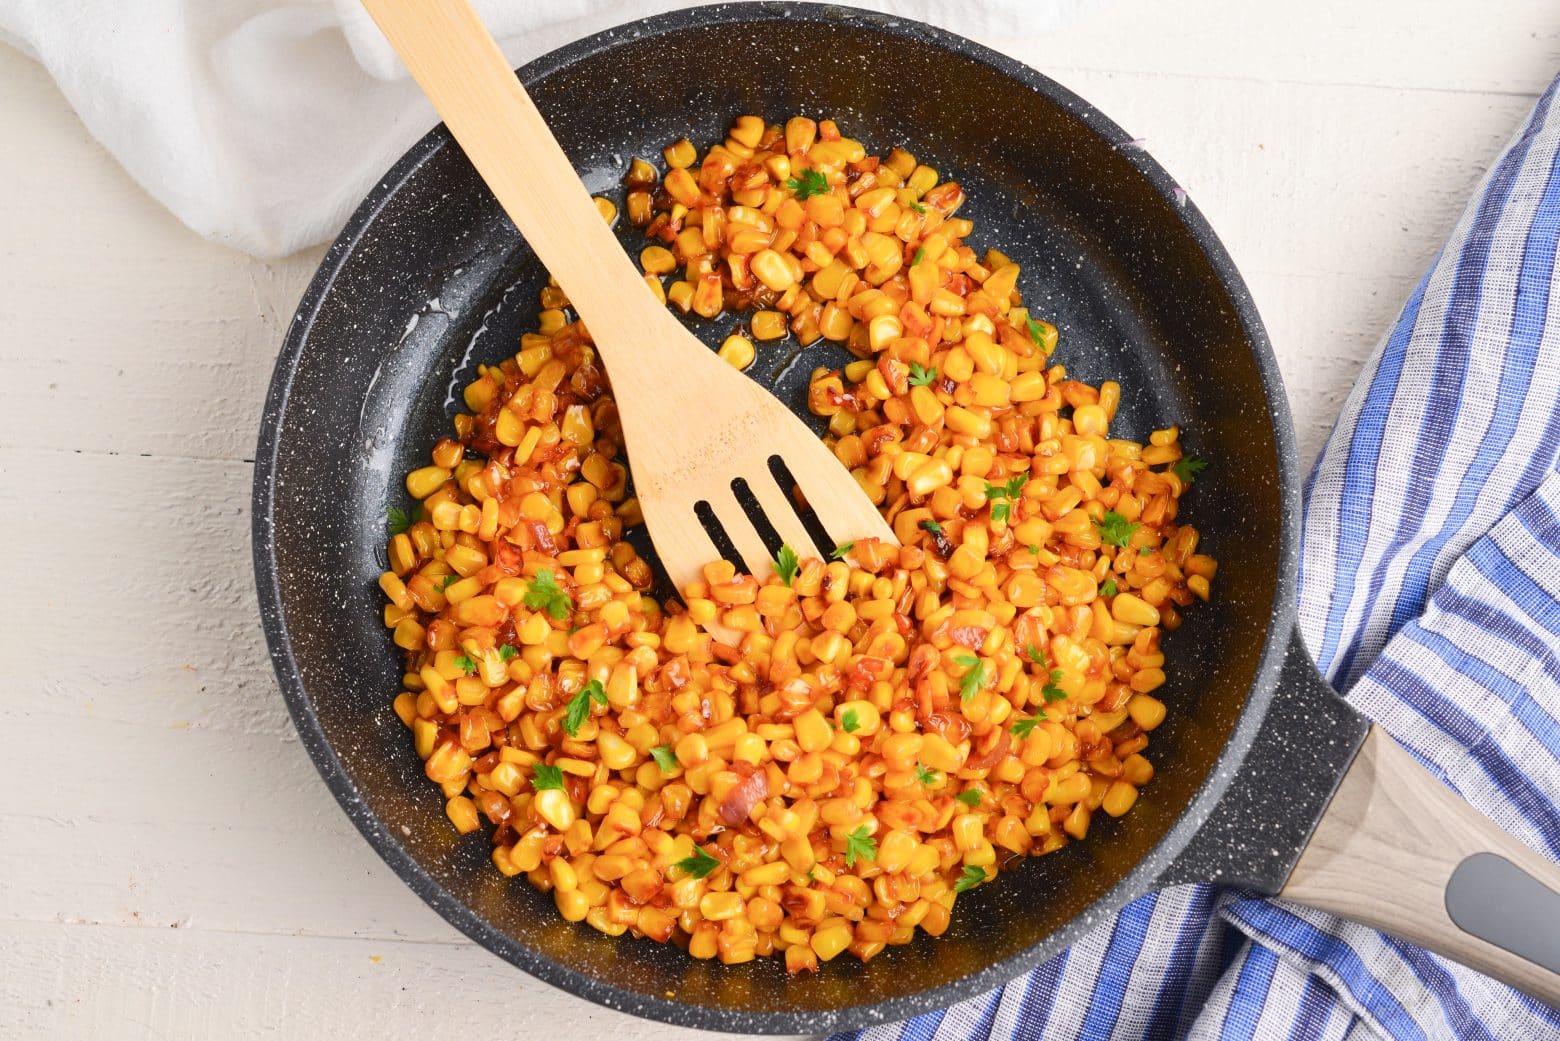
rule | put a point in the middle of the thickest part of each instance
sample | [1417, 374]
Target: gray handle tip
[1490, 897]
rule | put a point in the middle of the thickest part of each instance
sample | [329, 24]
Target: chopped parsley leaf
[1024, 726]
[1003, 496]
[398, 521]
[699, 865]
[1040, 332]
[1116, 530]
[1051, 692]
[971, 877]
[922, 377]
[850, 722]
[579, 706]
[544, 777]
[859, 846]
[808, 184]
[664, 757]
[544, 594]
[787, 564]
[974, 676]
[1187, 469]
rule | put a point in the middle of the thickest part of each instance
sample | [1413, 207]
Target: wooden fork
[692, 424]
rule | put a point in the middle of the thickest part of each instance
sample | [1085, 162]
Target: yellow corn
[424, 482]
[1146, 712]
[657, 260]
[767, 325]
[737, 351]
[680, 154]
[871, 689]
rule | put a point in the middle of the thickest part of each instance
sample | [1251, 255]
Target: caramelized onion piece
[991, 756]
[739, 802]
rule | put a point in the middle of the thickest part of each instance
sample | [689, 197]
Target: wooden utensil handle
[459, 67]
[1398, 850]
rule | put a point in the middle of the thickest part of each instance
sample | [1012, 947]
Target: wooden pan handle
[1398, 850]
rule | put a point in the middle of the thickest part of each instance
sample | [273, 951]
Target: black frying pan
[429, 279]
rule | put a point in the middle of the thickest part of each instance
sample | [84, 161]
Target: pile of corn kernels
[898, 722]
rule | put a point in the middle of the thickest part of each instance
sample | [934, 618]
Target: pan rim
[1141, 878]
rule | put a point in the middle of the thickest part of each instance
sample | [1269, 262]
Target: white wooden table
[170, 864]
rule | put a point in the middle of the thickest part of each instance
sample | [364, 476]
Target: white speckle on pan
[411, 324]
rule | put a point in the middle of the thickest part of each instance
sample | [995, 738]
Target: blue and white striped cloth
[1431, 596]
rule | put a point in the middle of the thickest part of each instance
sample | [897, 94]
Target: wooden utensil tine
[741, 531]
[781, 510]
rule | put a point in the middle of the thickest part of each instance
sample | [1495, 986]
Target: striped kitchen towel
[1431, 597]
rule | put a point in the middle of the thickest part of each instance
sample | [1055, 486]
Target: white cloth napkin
[261, 123]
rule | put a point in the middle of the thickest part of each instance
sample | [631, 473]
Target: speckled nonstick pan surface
[429, 279]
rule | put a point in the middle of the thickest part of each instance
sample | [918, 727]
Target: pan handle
[1398, 850]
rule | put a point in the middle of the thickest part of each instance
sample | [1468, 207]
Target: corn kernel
[737, 351]
[767, 325]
